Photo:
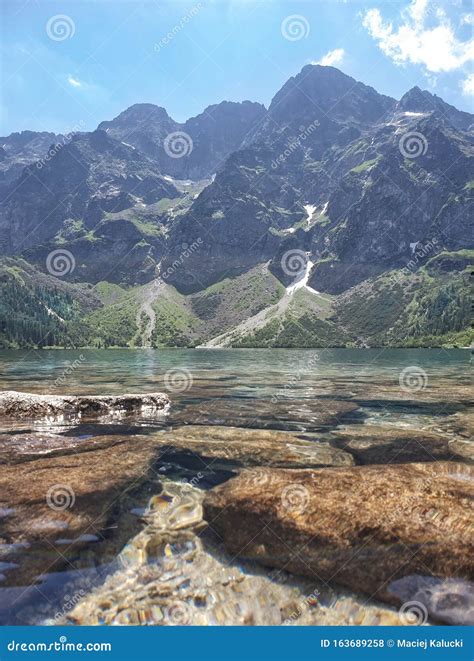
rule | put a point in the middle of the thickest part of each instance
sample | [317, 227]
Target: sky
[69, 64]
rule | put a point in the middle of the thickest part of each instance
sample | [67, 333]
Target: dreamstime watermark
[68, 604]
[294, 262]
[60, 645]
[413, 379]
[295, 498]
[60, 27]
[258, 478]
[305, 604]
[413, 613]
[188, 250]
[419, 251]
[68, 371]
[295, 27]
[60, 497]
[309, 365]
[176, 29]
[178, 614]
[178, 379]
[413, 144]
[54, 149]
[296, 143]
[178, 144]
[60, 262]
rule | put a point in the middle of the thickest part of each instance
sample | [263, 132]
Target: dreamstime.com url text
[59, 646]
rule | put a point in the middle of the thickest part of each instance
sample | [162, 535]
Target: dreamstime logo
[295, 498]
[258, 478]
[54, 149]
[178, 614]
[60, 27]
[413, 613]
[69, 603]
[308, 602]
[60, 497]
[178, 144]
[176, 29]
[294, 262]
[309, 366]
[295, 27]
[188, 250]
[68, 371]
[295, 143]
[413, 379]
[419, 252]
[413, 144]
[178, 380]
[60, 262]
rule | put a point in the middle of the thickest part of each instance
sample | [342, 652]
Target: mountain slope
[345, 161]
[338, 217]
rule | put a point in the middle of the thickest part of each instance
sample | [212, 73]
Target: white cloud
[435, 46]
[333, 57]
[468, 85]
[74, 81]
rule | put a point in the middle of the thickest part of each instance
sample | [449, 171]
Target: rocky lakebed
[349, 503]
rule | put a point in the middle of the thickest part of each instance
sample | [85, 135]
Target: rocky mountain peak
[326, 92]
[417, 100]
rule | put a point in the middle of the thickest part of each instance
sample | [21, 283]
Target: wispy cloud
[331, 58]
[74, 82]
[468, 85]
[425, 36]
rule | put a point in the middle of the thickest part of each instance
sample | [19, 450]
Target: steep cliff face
[91, 175]
[342, 172]
[20, 149]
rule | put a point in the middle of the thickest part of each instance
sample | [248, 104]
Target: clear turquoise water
[118, 371]
[217, 382]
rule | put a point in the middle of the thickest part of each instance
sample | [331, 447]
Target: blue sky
[67, 65]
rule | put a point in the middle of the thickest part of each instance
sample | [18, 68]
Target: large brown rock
[379, 444]
[283, 413]
[20, 405]
[236, 447]
[362, 527]
[51, 506]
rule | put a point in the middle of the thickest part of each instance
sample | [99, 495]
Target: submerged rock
[286, 414]
[361, 527]
[378, 444]
[449, 600]
[234, 447]
[19, 405]
[173, 574]
[50, 506]
[16, 448]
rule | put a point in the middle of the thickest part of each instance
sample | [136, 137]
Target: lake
[296, 408]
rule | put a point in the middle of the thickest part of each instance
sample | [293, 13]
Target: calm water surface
[119, 371]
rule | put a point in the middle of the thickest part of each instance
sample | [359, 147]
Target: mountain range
[336, 217]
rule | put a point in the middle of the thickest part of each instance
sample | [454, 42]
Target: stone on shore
[20, 405]
[361, 527]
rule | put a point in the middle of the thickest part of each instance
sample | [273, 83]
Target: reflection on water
[352, 406]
